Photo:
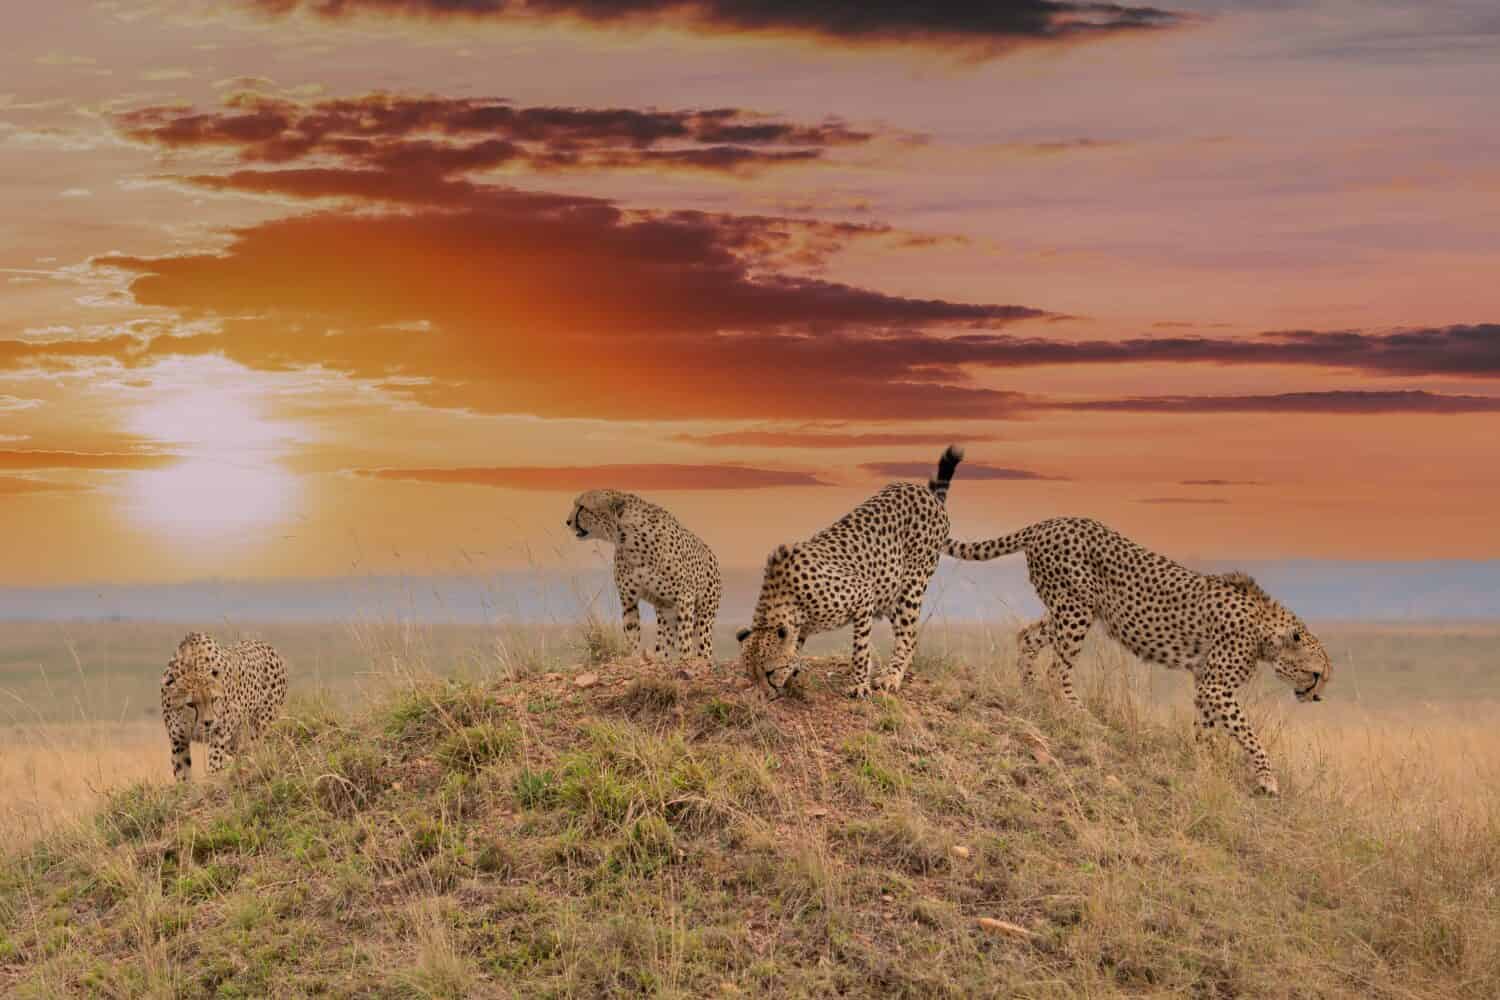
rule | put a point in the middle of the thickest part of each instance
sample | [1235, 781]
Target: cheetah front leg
[1031, 642]
[863, 622]
[904, 626]
[221, 744]
[179, 724]
[1224, 707]
[630, 601]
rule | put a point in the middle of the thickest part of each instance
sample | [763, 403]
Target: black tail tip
[949, 462]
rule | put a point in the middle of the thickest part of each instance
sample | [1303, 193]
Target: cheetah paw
[889, 682]
[1266, 785]
[858, 690]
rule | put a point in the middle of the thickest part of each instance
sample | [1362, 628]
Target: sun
[230, 481]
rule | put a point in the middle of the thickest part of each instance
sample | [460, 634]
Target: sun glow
[230, 479]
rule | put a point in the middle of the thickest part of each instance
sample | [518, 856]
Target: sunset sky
[303, 288]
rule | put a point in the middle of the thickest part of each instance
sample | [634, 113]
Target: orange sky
[299, 288]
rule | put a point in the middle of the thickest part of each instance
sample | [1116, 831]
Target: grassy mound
[631, 832]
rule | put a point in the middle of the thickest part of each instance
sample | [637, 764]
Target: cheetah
[874, 562]
[1218, 627]
[224, 697]
[657, 559]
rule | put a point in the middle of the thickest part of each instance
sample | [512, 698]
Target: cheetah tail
[939, 483]
[990, 548]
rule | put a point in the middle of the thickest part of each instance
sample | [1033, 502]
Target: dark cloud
[620, 477]
[1334, 401]
[23, 459]
[812, 437]
[441, 136]
[985, 27]
[968, 470]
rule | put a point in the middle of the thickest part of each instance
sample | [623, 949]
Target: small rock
[887, 898]
[1111, 781]
[1006, 928]
[817, 812]
[586, 680]
[960, 851]
[729, 989]
[552, 677]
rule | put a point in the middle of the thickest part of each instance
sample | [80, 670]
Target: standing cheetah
[1218, 627]
[657, 559]
[874, 562]
[225, 697]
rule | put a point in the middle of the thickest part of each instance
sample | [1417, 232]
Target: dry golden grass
[54, 772]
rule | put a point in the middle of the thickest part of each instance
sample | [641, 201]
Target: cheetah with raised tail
[659, 561]
[224, 697]
[1218, 627]
[874, 562]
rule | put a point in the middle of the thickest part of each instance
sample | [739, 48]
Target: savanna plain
[515, 810]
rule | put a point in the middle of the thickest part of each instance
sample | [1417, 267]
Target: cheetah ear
[742, 635]
[617, 505]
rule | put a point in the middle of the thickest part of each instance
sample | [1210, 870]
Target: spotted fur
[659, 561]
[874, 562]
[224, 697]
[1218, 627]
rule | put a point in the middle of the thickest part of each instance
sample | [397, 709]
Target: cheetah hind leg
[861, 687]
[1068, 628]
[684, 619]
[704, 627]
[904, 627]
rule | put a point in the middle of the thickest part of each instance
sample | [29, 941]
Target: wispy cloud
[584, 477]
[969, 470]
[1332, 401]
[821, 437]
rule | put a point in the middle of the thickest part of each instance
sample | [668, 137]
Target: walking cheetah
[224, 697]
[1218, 627]
[660, 561]
[874, 562]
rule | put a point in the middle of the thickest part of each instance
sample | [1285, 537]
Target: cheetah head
[195, 676]
[1299, 659]
[595, 514]
[1296, 654]
[768, 654]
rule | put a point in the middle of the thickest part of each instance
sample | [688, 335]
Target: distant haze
[1317, 590]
